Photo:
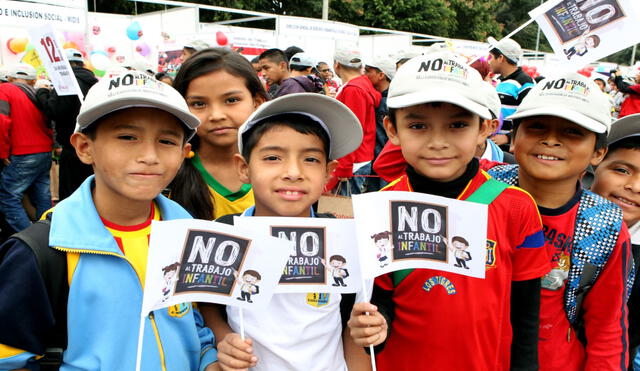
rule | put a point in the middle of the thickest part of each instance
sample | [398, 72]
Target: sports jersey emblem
[442, 281]
[491, 254]
[316, 299]
[179, 310]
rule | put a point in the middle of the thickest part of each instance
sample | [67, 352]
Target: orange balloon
[18, 44]
[70, 45]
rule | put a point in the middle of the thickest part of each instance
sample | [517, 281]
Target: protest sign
[55, 61]
[583, 31]
[203, 261]
[323, 258]
[400, 230]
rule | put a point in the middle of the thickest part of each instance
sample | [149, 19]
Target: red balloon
[140, 33]
[111, 50]
[221, 38]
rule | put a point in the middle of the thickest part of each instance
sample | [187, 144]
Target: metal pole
[538, 36]
[633, 55]
[325, 10]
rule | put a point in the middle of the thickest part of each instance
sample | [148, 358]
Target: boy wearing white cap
[560, 129]
[289, 147]
[438, 116]
[617, 178]
[133, 130]
[26, 141]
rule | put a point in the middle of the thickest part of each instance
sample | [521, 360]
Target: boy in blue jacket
[134, 131]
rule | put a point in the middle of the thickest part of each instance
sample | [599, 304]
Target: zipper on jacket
[158, 341]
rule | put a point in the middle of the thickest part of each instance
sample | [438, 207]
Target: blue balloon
[134, 31]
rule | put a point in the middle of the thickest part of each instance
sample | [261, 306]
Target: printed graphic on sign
[210, 262]
[407, 230]
[571, 19]
[419, 231]
[305, 263]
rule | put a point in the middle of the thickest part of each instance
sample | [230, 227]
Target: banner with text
[19, 13]
[55, 61]
[400, 230]
[203, 261]
[583, 31]
[324, 257]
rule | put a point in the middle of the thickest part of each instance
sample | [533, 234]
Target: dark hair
[253, 273]
[382, 235]
[339, 258]
[162, 75]
[626, 143]
[298, 68]
[291, 51]
[301, 123]
[171, 267]
[274, 55]
[255, 60]
[188, 187]
[76, 64]
[392, 113]
[92, 129]
[596, 40]
[601, 138]
[460, 239]
[497, 53]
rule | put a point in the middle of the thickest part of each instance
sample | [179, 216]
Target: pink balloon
[143, 49]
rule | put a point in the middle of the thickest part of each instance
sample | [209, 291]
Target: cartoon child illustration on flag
[383, 243]
[337, 269]
[249, 281]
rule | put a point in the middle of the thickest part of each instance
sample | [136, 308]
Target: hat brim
[626, 127]
[441, 95]
[87, 118]
[565, 113]
[344, 127]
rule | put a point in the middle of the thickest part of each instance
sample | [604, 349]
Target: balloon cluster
[134, 31]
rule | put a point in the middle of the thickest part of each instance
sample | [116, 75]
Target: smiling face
[438, 140]
[336, 263]
[382, 243]
[222, 102]
[550, 148]
[287, 171]
[618, 180]
[250, 279]
[135, 154]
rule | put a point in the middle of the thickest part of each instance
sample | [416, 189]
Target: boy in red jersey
[438, 116]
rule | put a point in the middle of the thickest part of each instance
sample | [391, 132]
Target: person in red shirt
[26, 141]
[561, 129]
[437, 320]
[631, 104]
[359, 94]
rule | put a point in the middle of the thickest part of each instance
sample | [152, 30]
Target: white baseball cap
[571, 96]
[134, 89]
[22, 71]
[347, 54]
[341, 125]
[626, 127]
[302, 59]
[198, 45]
[384, 63]
[139, 64]
[73, 55]
[507, 47]
[438, 77]
[493, 99]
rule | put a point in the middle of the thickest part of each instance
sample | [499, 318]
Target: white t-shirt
[296, 332]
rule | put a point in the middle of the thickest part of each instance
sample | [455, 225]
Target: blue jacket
[105, 300]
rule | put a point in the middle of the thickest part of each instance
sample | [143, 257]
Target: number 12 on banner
[51, 49]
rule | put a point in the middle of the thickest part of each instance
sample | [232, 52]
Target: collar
[452, 189]
[252, 210]
[77, 216]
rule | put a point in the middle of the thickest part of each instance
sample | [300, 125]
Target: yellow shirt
[134, 241]
[224, 201]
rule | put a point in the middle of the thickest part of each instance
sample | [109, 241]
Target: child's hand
[366, 329]
[235, 353]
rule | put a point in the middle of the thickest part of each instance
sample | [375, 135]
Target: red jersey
[604, 305]
[390, 164]
[446, 321]
[631, 104]
[362, 99]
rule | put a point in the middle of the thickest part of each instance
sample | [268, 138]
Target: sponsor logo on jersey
[442, 281]
[316, 299]
[179, 310]
[491, 254]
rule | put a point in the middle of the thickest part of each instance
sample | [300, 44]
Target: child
[438, 116]
[288, 150]
[222, 90]
[133, 130]
[561, 128]
[617, 178]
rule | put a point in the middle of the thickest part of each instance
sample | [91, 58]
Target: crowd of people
[556, 159]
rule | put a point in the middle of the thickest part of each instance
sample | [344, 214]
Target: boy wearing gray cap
[134, 131]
